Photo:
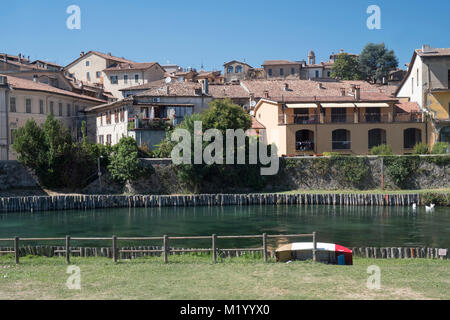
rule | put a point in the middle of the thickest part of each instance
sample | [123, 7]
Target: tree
[124, 161]
[224, 114]
[56, 160]
[375, 62]
[381, 150]
[345, 67]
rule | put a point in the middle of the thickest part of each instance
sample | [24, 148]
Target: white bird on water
[430, 208]
[414, 206]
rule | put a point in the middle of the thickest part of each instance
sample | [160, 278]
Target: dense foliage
[441, 148]
[381, 150]
[421, 148]
[345, 68]
[55, 158]
[124, 161]
[375, 62]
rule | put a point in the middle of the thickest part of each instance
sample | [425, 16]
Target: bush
[124, 161]
[440, 148]
[439, 199]
[421, 148]
[330, 154]
[381, 150]
[399, 168]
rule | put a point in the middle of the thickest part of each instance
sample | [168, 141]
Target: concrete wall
[13, 175]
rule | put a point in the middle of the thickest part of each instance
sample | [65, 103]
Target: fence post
[165, 240]
[214, 250]
[16, 249]
[114, 248]
[68, 249]
[314, 247]
[264, 236]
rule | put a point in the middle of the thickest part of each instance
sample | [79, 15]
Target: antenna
[168, 80]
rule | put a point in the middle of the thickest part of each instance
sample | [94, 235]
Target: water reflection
[349, 226]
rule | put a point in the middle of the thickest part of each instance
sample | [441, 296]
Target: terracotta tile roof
[309, 90]
[23, 84]
[222, 91]
[256, 124]
[408, 107]
[186, 89]
[146, 86]
[47, 62]
[232, 61]
[434, 52]
[131, 66]
[279, 62]
[111, 57]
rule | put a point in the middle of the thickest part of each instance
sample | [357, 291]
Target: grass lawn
[374, 191]
[189, 277]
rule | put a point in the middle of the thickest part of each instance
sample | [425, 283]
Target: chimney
[82, 53]
[286, 87]
[109, 54]
[357, 93]
[266, 94]
[20, 57]
[167, 89]
[319, 85]
[5, 57]
[342, 92]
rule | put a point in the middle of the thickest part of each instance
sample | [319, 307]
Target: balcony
[409, 117]
[340, 118]
[375, 118]
[150, 124]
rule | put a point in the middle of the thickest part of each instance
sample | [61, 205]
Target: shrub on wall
[441, 148]
[421, 148]
[381, 150]
[439, 199]
[352, 171]
[399, 168]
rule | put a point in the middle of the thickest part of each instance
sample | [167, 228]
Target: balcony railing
[409, 117]
[151, 124]
[298, 119]
[341, 118]
[373, 118]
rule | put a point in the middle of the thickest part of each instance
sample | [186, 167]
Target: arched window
[230, 69]
[304, 140]
[238, 69]
[376, 137]
[411, 137]
[341, 139]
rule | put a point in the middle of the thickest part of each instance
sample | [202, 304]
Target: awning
[301, 105]
[337, 105]
[372, 105]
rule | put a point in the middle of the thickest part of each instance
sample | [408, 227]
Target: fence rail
[165, 249]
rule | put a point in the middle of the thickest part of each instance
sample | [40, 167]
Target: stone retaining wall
[83, 202]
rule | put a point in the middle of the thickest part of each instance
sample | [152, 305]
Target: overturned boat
[328, 253]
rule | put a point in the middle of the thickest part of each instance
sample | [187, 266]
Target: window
[60, 109]
[292, 71]
[338, 114]
[122, 115]
[88, 76]
[328, 74]
[41, 106]
[341, 139]
[13, 133]
[69, 107]
[411, 137]
[270, 72]
[238, 69]
[230, 69]
[98, 74]
[51, 108]
[108, 117]
[113, 79]
[88, 63]
[136, 78]
[281, 72]
[417, 77]
[125, 78]
[100, 119]
[317, 73]
[76, 110]
[108, 139]
[28, 105]
[376, 137]
[101, 139]
[116, 116]
[412, 86]
[12, 104]
[304, 140]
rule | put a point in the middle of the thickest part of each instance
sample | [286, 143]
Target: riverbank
[195, 278]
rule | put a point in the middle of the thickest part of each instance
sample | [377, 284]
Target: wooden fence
[165, 249]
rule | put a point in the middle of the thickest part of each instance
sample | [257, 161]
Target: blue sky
[193, 32]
